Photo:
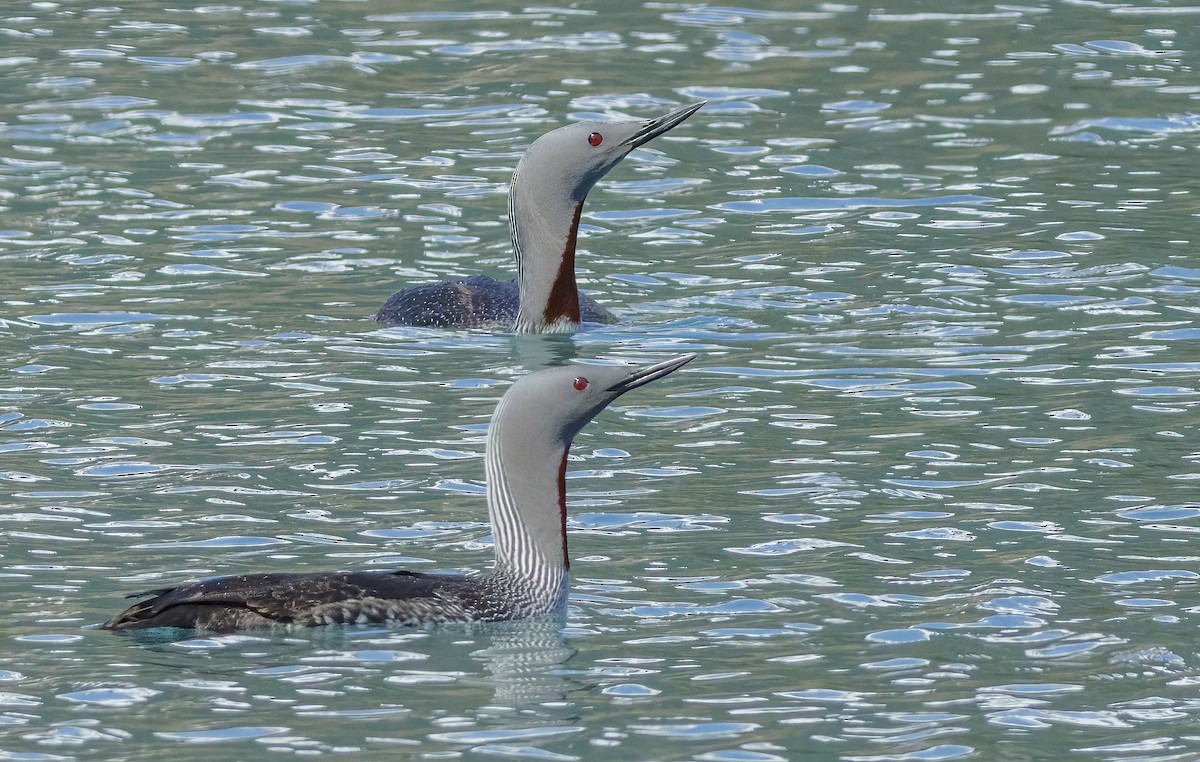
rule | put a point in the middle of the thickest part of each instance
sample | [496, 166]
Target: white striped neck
[526, 495]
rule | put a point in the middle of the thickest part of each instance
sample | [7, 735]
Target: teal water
[928, 493]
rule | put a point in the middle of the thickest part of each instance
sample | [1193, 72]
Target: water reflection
[533, 352]
[525, 661]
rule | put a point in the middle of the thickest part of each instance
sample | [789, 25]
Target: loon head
[568, 161]
[560, 401]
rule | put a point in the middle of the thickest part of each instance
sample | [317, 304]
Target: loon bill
[525, 463]
[545, 200]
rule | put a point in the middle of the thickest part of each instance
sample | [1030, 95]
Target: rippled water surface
[929, 492]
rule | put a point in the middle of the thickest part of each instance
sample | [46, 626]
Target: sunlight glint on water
[928, 493]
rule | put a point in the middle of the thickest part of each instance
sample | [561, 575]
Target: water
[928, 493]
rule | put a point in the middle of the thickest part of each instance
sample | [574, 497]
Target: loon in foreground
[525, 463]
[545, 200]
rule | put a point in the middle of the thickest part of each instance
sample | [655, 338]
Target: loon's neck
[544, 232]
[527, 507]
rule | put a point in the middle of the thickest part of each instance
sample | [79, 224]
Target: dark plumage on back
[474, 302]
[254, 601]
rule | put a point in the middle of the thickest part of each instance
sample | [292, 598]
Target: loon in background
[526, 464]
[545, 200]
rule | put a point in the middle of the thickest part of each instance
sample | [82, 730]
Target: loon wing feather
[235, 602]
[370, 610]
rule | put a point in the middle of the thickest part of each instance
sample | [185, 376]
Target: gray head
[558, 402]
[574, 157]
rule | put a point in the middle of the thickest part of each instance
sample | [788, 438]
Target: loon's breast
[474, 302]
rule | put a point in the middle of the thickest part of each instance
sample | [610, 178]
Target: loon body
[525, 462]
[474, 302]
[545, 201]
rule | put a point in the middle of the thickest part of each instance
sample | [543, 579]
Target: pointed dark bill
[655, 127]
[643, 376]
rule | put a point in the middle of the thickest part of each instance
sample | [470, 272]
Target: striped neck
[526, 495]
[544, 232]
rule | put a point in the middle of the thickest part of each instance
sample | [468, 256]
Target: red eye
[594, 140]
[580, 383]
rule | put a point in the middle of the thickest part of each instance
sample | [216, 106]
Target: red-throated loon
[525, 462]
[545, 200]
